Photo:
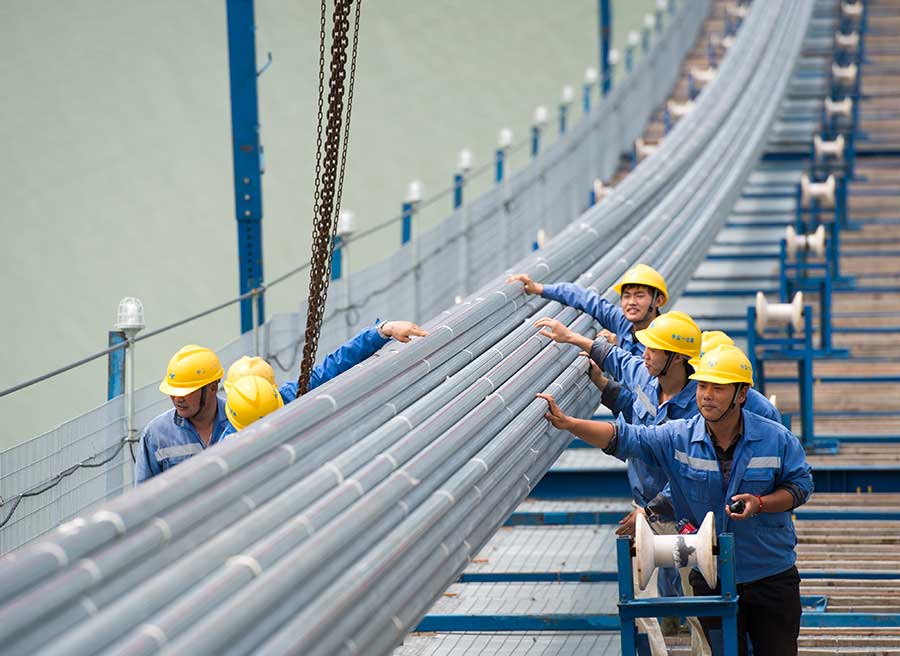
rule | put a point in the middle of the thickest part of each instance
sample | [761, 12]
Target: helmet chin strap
[665, 369]
[651, 307]
[202, 403]
[737, 390]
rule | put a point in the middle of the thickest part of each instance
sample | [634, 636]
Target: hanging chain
[330, 176]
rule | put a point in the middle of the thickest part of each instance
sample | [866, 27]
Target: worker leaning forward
[642, 291]
[199, 418]
[727, 454]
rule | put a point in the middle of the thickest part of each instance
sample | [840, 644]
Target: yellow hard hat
[248, 366]
[189, 370]
[673, 331]
[251, 398]
[711, 339]
[643, 275]
[725, 364]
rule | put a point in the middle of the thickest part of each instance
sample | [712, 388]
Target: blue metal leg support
[605, 38]
[247, 153]
[725, 605]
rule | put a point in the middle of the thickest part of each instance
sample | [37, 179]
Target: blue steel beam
[582, 483]
[247, 153]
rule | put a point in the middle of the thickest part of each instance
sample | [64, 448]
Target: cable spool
[842, 107]
[846, 41]
[689, 550]
[679, 110]
[735, 10]
[824, 149]
[844, 74]
[601, 191]
[702, 76]
[813, 243]
[778, 314]
[643, 149]
[851, 10]
[820, 191]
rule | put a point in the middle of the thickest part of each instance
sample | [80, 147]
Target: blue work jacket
[645, 479]
[767, 457]
[346, 356]
[758, 404]
[169, 439]
[607, 315]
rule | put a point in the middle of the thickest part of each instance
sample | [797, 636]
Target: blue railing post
[564, 103]
[649, 22]
[605, 41]
[247, 153]
[613, 60]
[408, 210]
[729, 591]
[590, 79]
[504, 141]
[540, 121]
[633, 40]
[115, 366]
[464, 165]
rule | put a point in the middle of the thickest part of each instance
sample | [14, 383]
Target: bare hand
[595, 373]
[531, 287]
[627, 523]
[610, 337]
[557, 331]
[751, 507]
[402, 331]
[556, 416]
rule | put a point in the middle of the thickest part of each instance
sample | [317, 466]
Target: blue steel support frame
[605, 39]
[115, 367]
[247, 153]
[724, 606]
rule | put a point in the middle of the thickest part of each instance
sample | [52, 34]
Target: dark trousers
[768, 614]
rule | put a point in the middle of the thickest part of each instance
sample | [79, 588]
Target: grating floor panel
[528, 599]
[510, 644]
[548, 549]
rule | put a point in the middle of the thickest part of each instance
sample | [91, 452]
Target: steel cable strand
[395, 559]
[297, 564]
[108, 624]
[292, 571]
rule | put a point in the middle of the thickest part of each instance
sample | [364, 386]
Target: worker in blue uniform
[723, 455]
[250, 400]
[199, 419]
[662, 391]
[642, 291]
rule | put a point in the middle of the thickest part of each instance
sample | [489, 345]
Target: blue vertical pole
[605, 38]
[501, 156]
[457, 191]
[336, 259]
[729, 592]
[563, 109]
[587, 98]
[804, 378]
[629, 58]
[645, 40]
[535, 140]
[406, 213]
[115, 366]
[626, 593]
[247, 153]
